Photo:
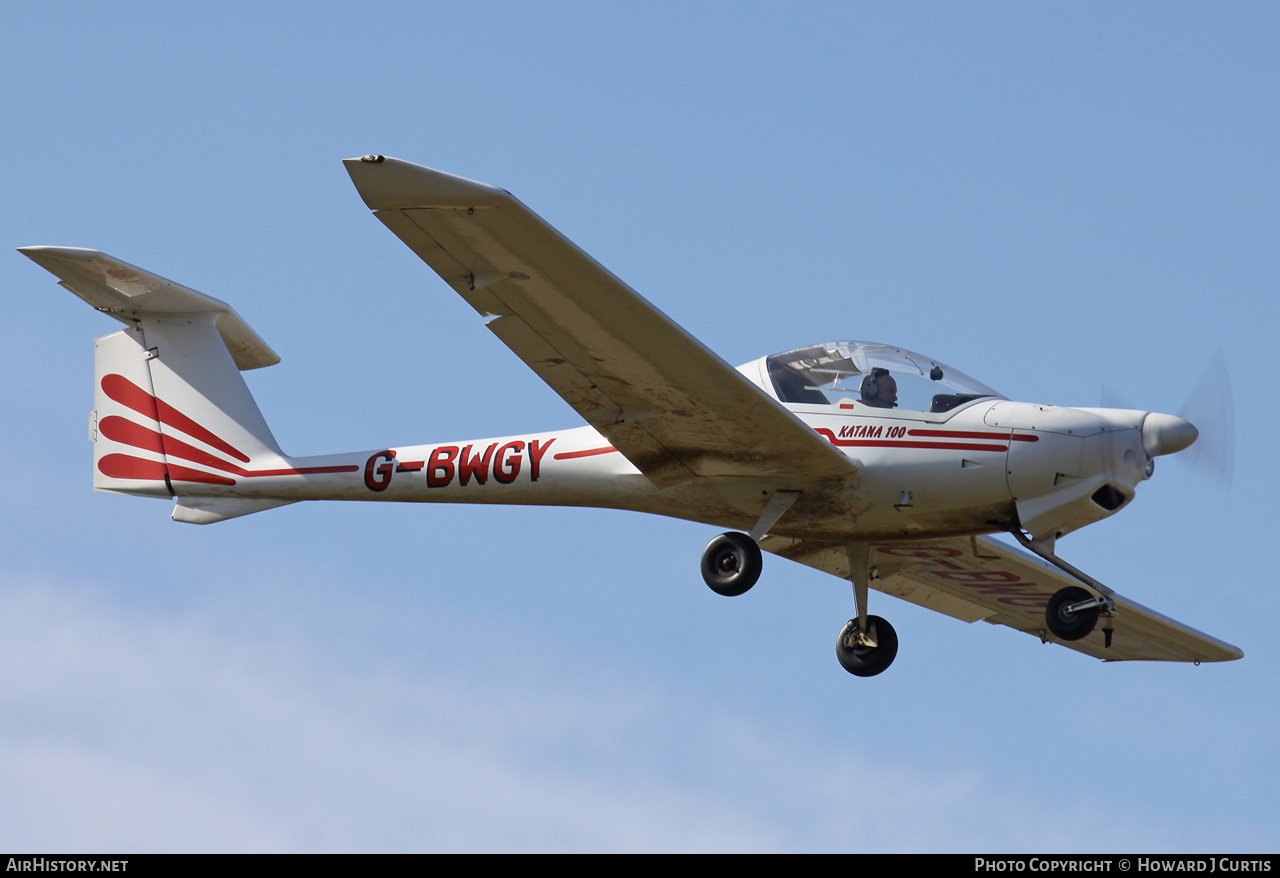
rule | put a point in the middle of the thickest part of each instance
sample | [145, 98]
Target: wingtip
[387, 183]
[35, 251]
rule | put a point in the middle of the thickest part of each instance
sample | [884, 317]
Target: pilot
[879, 389]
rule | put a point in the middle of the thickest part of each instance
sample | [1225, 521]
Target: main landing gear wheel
[731, 564]
[867, 661]
[1065, 623]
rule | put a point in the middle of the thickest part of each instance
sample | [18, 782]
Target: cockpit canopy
[843, 372]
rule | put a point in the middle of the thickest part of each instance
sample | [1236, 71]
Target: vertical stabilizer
[172, 414]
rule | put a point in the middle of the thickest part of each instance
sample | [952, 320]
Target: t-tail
[174, 418]
[172, 415]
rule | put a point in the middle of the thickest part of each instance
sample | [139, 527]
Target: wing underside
[972, 578]
[666, 402]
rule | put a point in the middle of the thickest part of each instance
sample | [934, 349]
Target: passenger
[879, 389]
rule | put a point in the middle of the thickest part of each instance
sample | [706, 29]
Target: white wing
[972, 578]
[671, 406]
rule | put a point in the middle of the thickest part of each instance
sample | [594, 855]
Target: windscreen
[856, 372]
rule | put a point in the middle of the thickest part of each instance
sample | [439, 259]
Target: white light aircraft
[876, 464]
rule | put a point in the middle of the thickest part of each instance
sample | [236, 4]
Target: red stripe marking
[128, 394]
[937, 446]
[965, 434]
[590, 452]
[301, 471]
[127, 432]
[959, 434]
[123, 466]
[897, 443]
[186, 474]
[125, 392]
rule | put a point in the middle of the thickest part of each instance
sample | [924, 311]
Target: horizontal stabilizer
[127, 293]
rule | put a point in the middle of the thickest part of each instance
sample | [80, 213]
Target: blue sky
[1063, 200]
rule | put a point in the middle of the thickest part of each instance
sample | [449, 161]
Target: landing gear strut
[1072, 612]
[868, 644]
[731, 564]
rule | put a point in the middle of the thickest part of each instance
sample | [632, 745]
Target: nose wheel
[865, 654]
[1072, 613]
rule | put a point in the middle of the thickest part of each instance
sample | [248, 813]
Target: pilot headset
[870, 388]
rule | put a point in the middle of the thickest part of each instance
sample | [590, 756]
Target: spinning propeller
[1212, 409]
[1204, 429]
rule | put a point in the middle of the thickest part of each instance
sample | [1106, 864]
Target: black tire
[1066, 625]
[867, 661]
[731, 564]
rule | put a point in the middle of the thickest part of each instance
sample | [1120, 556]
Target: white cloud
[140, 733]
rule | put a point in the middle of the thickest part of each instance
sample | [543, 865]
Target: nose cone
[1166, 434]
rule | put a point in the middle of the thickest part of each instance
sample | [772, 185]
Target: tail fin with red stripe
[172, 414]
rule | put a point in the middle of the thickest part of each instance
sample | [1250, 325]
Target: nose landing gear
[1072, 613]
